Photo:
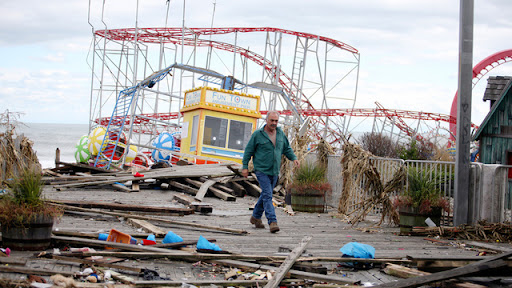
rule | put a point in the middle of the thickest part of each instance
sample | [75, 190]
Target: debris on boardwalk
[189, 202]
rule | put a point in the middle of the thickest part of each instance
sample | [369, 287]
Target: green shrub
[310, 176]
[423, 190]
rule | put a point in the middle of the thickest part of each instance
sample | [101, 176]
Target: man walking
[266, 147]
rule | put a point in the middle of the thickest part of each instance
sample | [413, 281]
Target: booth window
[239, 134]
[215, 131]
[195, 126]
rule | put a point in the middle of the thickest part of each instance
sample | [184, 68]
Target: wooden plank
[453, 273]
[239, 190]
[190, 190]
[96, 263]
[218, 193]
[163, 173]
[34, 271]
[288, 263]
[126, 207]
[122, 188]
[203, 189]
[403, 272]
[252, 189]
[188, 224]
[490, 246]
[148, 227]
[406, 272]
[222, 195]
[200, 207]
[294, 273]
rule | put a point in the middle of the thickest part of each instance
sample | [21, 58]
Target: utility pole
[462, 161]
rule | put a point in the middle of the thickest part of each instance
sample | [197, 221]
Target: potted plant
[309, 187]
[422, 199]
[26, 219]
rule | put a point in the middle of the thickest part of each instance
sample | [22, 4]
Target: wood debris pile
[495, 232]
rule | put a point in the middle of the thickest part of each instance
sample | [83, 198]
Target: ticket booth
[218, 123]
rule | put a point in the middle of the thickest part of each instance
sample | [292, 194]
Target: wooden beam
[185, 188]
[288, 263]
[148, 227]
[187, 224]
[453, 273]
[35, 271]
[203, 189]
[126, 207]
[122, 188]
[96, 263]
[252, 189]
[203, 208]
[294, 273]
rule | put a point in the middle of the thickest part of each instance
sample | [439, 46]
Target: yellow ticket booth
[218, 123]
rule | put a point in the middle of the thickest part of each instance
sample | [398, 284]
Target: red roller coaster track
[479, 71]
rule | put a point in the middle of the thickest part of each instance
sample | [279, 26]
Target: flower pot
[33, 235]
[412, 217]
[308, 200]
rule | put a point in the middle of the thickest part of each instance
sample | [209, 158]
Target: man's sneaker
[257, 223]
[273, 227]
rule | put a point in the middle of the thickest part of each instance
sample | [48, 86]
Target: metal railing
[494, 203]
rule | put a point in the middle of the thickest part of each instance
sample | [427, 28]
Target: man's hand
[245, 172]
[296, 163]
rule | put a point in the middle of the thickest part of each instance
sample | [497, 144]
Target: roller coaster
[305, 76]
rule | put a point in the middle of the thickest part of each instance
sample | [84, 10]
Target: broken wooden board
[218, 193]
[406, 272]
[252, 189]
[203, 189]
[294, 273]
[127, 207]
[444, 275]
[186, 224]
[203, 208]
[148, 227]
[162, 173]
[288, 263]
[97, 263]
[185, 188]
[122, 188]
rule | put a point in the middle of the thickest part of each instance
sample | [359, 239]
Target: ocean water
[48, 137]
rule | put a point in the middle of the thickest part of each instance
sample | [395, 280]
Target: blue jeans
[267, 184]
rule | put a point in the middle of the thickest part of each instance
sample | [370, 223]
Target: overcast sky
[409, 49]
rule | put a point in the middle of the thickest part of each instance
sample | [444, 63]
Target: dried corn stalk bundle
[323, 150]
[361, 180]
[300, 148]
[16, 153]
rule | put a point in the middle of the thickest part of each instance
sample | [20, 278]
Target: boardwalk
[329, 235]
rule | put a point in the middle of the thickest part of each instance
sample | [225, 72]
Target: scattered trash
[430, 223]
[151, 275]
[171, 237]
[103, 236]
[357, 250]
[202, 243]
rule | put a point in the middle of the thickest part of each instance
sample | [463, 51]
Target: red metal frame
[479, 71]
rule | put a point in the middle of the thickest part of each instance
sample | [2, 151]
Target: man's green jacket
[266, 156]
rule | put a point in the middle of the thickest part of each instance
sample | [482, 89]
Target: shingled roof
[495, 86]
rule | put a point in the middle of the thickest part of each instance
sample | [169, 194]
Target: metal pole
[462, 161]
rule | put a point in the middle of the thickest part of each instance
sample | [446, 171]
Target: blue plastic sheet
[358, 250]
[171, 237]
[202, 243]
